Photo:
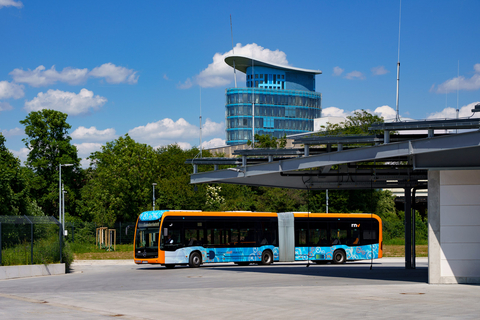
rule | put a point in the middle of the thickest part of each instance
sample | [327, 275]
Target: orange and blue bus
[180, 237]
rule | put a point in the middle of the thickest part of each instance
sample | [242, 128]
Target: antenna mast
[398, 63]
[233, 50]
[200, 122]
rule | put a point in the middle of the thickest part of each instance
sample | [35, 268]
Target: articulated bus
[174, 237]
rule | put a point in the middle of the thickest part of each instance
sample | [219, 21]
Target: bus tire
[195, 260]
[169, 266]
[267, 257]
[339, 257]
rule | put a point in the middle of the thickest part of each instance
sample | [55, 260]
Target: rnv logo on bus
[354, 225]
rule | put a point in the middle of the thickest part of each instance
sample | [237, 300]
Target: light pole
[154, 184]
[60, 191]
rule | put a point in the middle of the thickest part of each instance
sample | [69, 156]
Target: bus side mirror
[165, 232]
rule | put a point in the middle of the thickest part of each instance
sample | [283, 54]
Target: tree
[13, 186]
[266, 141]
[49, 144]
[356, 124]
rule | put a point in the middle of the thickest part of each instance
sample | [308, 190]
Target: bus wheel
[339, 257]
[169, 266]
[267, 257]
[195, 260]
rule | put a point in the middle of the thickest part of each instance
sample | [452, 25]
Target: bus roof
[157, 214]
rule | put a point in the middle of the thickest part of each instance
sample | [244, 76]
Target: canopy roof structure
[403, 163]
[243, 62]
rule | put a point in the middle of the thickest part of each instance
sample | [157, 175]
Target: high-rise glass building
[283, 99]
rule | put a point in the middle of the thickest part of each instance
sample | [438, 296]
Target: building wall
[454, 226]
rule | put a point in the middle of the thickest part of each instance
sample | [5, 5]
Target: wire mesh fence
[30, 240]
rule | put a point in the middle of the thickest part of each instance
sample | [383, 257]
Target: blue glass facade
[284, 99]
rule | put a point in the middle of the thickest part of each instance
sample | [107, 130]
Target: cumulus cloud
[355, 75]
[462, 83]
[93, 134]
[378, 71]
[337, 71]
[385, 111]
[335, 112]
[13, 132]
[42, 77]
[73, 76]
[214, 143]
[167, 131]
[85, 149]
[22, 154]
[4, 106]
[10, 3]
[11, 90]
[451, 113]
[68, 102]
[218, 73]
[115, 74]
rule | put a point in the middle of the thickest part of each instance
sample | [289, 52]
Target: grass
[83, 251]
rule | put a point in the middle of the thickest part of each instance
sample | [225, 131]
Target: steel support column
[408, 228]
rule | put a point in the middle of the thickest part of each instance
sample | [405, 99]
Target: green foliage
[49, 144]
[356, 124]
[266, 141]
[14, 193]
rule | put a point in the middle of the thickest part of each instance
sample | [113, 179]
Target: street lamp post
[60, 189]
[154, 184]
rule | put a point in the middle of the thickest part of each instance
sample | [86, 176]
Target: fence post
[31, 239]
[0, 243]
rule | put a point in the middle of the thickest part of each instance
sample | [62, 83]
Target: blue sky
[140, 67]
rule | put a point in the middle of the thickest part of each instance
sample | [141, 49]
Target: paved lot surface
[120, 289]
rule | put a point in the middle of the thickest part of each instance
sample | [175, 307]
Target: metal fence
[17, 230]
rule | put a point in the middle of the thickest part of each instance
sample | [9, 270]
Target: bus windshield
[146, 240]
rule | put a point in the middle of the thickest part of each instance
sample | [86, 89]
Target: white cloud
[184, 145]
[22, 154]
[68, 102]
[13, 132]
[185, 85]
[218, 73]
[93, 134]
[386, 112]
[355, 75]
[167, 131]
[115, 74]
[450, 113]
[11, 90]
[380, 70]
[4, 106]
[335, 112]
[165, 77]
[214, 143]
[337, 71]
[10, 3]
[461, 82]
[85, 149]
[73, 76]
[41, 77]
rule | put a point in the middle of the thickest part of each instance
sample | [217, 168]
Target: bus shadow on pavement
[351, 271]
